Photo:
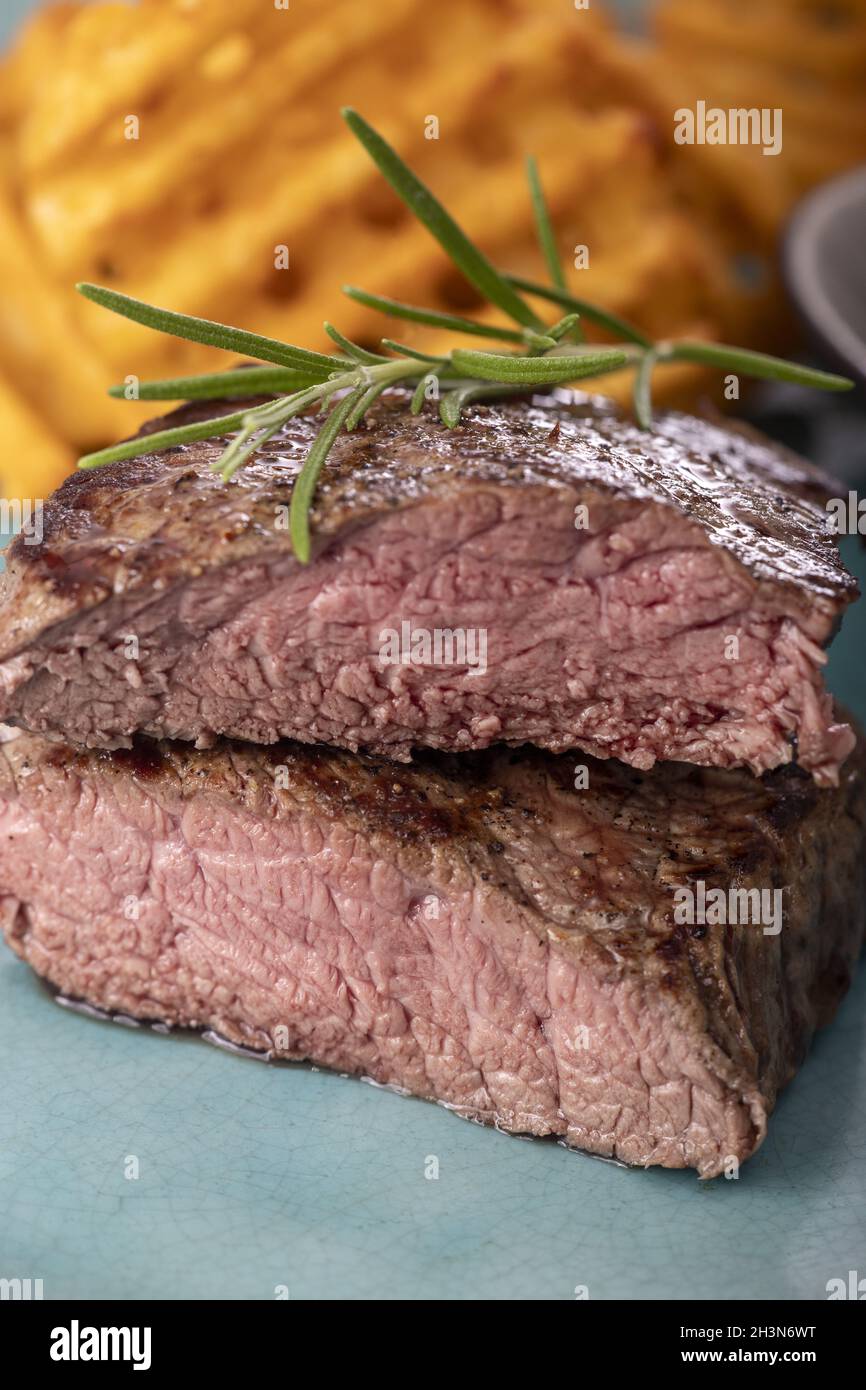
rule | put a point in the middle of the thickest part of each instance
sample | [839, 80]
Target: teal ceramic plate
[256, 1179]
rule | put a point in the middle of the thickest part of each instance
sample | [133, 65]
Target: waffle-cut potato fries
[32, 460]
[805, 58]
[182, 150]
[41, 349]
[814, 37]
[137, 53]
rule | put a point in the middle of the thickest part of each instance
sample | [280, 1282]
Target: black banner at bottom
[205, 1338]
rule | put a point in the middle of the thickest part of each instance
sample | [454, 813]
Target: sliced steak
[472, 929]
[646, 596]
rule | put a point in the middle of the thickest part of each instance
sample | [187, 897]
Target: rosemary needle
[546, 235]
[305, 483]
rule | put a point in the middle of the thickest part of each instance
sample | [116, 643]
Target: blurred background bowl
[825, 262]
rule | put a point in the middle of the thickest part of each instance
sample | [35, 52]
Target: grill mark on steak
[611, 641]
[307, 907]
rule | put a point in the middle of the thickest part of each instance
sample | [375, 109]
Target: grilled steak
[473, 929]
[545, 573]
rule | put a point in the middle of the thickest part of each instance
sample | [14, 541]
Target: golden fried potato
[38, 48]
[803, 58]
[817, 36]
[41, 351]
[33, 461]
[119, 59]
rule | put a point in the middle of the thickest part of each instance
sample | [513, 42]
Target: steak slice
[644, 596]
[472, 929]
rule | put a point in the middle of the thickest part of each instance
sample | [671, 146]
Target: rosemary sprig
[404, 351]
[252, 381]
[537, 371]
[205, 331]
[419, 395]
[453, 404]
[164, 439]
[353, 350]
[435, 318]
[348, 383]
[605, 318]
[543, 226]
[427, 208]
[305, 485]
[757, 364]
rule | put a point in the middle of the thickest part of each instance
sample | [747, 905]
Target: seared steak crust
[609, 569]
[470, 928]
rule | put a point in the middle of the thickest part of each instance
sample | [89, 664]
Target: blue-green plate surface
[253, 1177]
